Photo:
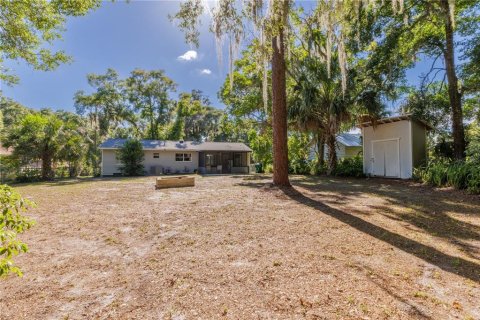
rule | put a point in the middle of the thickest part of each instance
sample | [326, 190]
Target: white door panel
[385, 161]
[392, 168]
[378, 161]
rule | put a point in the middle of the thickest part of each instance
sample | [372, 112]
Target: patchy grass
[233, 247]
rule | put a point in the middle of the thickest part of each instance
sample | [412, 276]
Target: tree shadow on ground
[423, 207]
[449, 263]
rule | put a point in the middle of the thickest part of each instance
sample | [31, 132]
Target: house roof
[350, 139]
[395, 119]
[166, 145]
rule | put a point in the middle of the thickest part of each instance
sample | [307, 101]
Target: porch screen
[240, 160]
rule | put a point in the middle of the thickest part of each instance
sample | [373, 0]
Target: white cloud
[206, 71]
[190, 55]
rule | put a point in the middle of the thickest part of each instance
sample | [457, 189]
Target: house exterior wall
[419, 144]
[351, 152]
[166, 160]
[400, 130]
[109, 165]
[342, 151]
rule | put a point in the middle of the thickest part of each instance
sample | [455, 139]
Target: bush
[29, 175]
[12, 222]
[316, 169]
[131, 156]
[350, 167]
[457, 174]
[473, 180]
[299, 166]
[269, 168]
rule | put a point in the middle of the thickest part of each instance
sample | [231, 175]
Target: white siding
[166, 160]
[400, 130]
[110, 165]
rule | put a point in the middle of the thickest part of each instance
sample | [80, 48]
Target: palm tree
[319, 103]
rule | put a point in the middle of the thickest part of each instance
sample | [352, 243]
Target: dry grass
[234, 248]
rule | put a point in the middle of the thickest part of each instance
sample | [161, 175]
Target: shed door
[386, 158]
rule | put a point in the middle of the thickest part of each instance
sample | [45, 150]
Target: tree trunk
[47, 172]
[332, 154]
[279, 112]
[320, 150]
[453, 93]
[95, 142]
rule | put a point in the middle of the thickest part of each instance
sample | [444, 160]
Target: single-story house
[348, 145]
[393, 146]
[163, 157]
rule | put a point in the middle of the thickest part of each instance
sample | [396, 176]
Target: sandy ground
[234, 248]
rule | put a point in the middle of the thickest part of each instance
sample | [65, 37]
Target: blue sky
[124, 36]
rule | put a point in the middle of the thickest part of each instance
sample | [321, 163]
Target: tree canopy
[27, 28]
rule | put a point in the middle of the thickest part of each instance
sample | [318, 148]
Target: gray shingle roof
[349, 139]
[167, 145]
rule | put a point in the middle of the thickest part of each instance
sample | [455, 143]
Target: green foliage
[48, 137]
[149, 94]
[430, 104]
[131, 156]
[350, 167]
[29, 28]
[8, 168]
[261, 144]
[37, 137]
[473, 148]
[28, 175]
[12, 222]
[298, 154]
[457, 174]
[195, 119]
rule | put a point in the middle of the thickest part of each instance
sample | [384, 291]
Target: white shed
[392, 147]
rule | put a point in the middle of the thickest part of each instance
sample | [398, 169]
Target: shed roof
[350, 139]
[395, 119]
[168, 145]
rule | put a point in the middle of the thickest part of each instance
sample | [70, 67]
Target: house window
[156, 155]
[183, 157]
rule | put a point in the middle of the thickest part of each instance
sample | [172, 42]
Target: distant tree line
[140, 106]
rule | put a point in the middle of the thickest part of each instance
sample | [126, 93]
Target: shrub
[269, 168]
[298, 153]
[299, 166]
[350, 167]
[12, 222]
[436, 173]
[316, 168]
[29, 175]
[458, 174]
[131, 156]
[473, 180]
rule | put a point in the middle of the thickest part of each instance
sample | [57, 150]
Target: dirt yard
[234, 248]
